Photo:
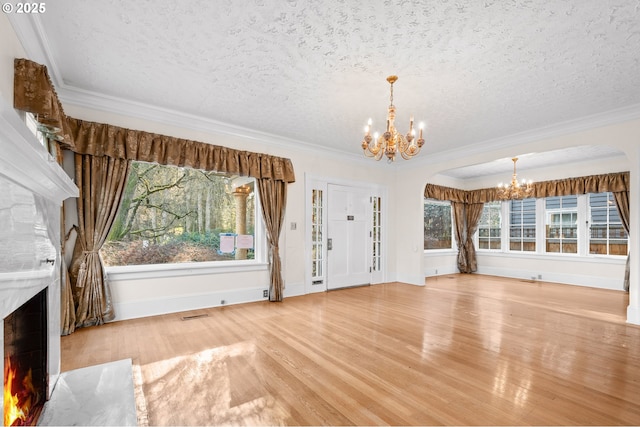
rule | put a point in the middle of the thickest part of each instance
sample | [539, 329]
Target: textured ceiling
[314, 71]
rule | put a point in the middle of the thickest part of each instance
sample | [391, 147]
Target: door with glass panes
[345, 237]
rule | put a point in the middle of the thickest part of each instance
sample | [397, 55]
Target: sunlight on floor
[216, 386]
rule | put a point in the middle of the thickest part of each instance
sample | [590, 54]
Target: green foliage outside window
[170, 215]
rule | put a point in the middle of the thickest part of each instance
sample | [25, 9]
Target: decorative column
[240, 194]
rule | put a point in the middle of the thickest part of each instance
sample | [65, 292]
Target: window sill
[154, 271]
[440, 252]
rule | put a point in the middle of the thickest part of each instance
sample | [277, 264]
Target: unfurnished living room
[301, 212]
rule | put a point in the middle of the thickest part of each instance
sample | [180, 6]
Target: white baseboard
[294, 290]
[633, 315]
[158, 306]
[411, 279]
[440, 271]
[613, 283]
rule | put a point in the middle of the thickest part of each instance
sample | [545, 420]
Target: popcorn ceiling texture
[315, 71]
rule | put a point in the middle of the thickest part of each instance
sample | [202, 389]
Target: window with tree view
[437, 224]
[171, 214]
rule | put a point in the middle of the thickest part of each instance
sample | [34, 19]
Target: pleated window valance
[34, 93]
[613, 182]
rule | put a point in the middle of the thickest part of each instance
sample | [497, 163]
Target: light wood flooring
[463, 350]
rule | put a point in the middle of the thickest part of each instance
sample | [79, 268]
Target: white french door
[349, 237]
[345, 235]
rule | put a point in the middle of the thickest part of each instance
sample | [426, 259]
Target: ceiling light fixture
[515, 190]
[391, 142]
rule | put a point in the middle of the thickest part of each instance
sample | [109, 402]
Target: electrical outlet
[265, 293]
[539, 276]
[222, 302]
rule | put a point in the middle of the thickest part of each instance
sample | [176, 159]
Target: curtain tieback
[82, 271]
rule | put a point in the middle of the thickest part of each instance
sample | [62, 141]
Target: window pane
[606, 233]
[523, 225]
[172, 215]
[437, 224]
[490, 226]
[561, 221]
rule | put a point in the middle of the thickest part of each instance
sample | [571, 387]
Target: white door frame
[319, 182]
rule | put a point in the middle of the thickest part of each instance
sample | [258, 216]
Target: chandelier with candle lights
[515, 190]
[391, 141]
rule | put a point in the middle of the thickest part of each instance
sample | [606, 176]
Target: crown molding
[611, 117]
[35, 43]
[29, 31]
[96, 101]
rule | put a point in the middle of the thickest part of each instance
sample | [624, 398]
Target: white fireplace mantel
[25, 161]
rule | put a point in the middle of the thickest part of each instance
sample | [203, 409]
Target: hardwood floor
[463, 350]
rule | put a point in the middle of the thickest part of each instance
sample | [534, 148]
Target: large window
[522, 225]
[561, 220]
[607, 236]
[173, 215]
[490, 226]
[437, 224]
[582, 225]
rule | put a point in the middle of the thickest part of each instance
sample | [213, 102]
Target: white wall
[605, 273]
[405, 180]
[134, 297]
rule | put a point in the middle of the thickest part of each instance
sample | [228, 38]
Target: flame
[16, 405]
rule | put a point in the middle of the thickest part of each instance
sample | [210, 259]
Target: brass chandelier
[515, 190]
[391, 141]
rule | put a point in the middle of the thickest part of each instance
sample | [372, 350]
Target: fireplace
[33, 189]
[29, 301]
[25, 361]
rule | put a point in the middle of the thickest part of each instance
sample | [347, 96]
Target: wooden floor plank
[463, 349]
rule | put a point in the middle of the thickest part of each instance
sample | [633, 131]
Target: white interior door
[349, 240]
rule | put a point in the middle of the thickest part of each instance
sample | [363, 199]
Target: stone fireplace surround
[33, 188]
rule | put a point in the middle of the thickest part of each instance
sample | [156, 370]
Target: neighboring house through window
[607, 235]
[522, 225]
[561, 221]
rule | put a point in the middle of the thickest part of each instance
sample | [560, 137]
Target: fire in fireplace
[25, 362]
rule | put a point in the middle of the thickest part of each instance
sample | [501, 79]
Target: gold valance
[613, 182]
[439, 192]
[34, 92]
[100, 139]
